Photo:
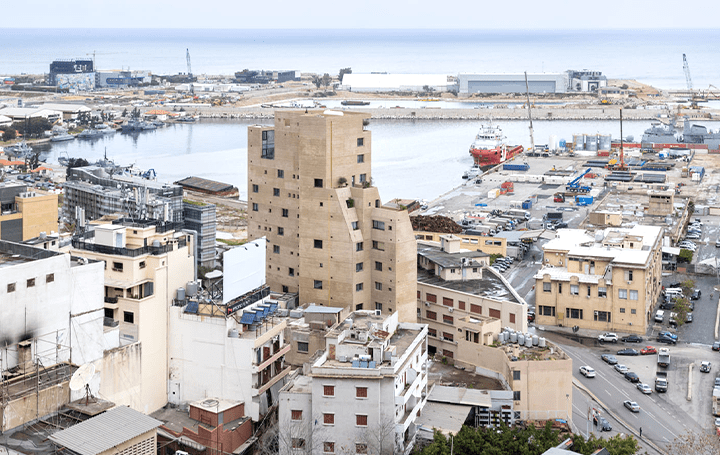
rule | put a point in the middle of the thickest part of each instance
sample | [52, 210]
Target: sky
[408, 14]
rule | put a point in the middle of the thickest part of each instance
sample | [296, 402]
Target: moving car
[620, 368]
[696, 294]
[609, 359]
[587, 371]
[632, 377]
[668, 334]
[648, 350]
[602, 423]
[628, 351]
[608, 336]
[531, 316]
[631, 405]
[705, 366]
[644, 388]
[632, 339]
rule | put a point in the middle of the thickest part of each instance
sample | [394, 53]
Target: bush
[685, 256]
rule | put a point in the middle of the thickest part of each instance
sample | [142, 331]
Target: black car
[666, 339]
[632, 339]
[696, 294]
[601, 423]
[628, 351]
[667, 305]
[716, 346]
[632, 377]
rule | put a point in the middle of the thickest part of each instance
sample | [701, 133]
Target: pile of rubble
[436, 223]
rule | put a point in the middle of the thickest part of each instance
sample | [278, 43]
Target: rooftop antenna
[81, 380]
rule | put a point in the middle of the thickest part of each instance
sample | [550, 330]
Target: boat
[186, 119]
[490, 149]
[134, 126]
[62, 137]
[89, 134]
[104, 129]
[19, 150]
[659, 133]
[429, 99]
[698, 134]
[473, 172]
[354, 103]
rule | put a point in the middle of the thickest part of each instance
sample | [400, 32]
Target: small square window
[359, 307]
[378, 306]
[317, 284]
[329, 390]
[285, 213]
[255, 188]
[50, 277]
[361, 447]
[11, 287]
[359, 267]
[378, 286]
[361, 420]
[302, 346]
[328, 447]
[255, 207]
[358, 287]
[317, 243]
[276, 192]
[360, 141]
[318, 183]
[285, 289]
[516, 375]
[359, 246]
[361, 158]
[31, 282]
[281, 231]
[378, 266]
[361, 392]
[129, 317]
[117, 266]
[291, 271]
[296, 414]
[276, 249]
[142, 264]
[329, 419]
[281, 174]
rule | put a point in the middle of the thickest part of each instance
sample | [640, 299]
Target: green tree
[326, 80]
[681, 309]
[343, 72]
[616, 445]
[75, 162]
[9, 133]
[317, 80]
[685, 256]
[690, 443]
[35, 127]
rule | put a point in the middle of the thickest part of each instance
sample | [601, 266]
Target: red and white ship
[490, 148]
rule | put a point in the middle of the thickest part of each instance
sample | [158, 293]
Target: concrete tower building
[329, 237]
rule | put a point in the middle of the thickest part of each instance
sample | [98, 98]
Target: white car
[587, 371]
[609, 336]
[620, 368]
[644, 388]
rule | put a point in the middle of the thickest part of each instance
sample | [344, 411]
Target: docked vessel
[19, 150]
[659, 133]
[698, 134]
[89, 133]
[134, 126]
[489, 147]
[354, 103]
[62, 137]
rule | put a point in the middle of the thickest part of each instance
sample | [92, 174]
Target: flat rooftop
[434, 253]
[490, 286]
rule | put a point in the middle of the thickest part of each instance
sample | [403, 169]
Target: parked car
[609, 336]
[692, 236]
[717, 381]
[531, 316]
[620, 368]
[644, 388]
[631, 405]
[648, 350]
[716, 346]
[587, 371]
[696, 294]
[631, 376]
[602, 423]
[632, 339]
[668, 334]
[666, 339]
[609, 359]
[705, 366]
[717, 243]
[628, 351]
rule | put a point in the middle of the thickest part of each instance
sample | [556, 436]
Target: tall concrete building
[329, 237]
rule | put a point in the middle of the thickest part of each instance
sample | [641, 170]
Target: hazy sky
[462, 14]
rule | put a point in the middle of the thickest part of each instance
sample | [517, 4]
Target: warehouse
[512, 83]
[398, 82]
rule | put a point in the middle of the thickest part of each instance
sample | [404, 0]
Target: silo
[521, 339]
[579, 141]
[605, 142]
[591, 142]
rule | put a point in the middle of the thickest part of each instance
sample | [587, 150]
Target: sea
[411, 158]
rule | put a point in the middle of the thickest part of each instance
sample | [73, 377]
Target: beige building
[329, 237]
[605, 218]
[489, 245]
[608, 280]
[25, 214]
[145, 263]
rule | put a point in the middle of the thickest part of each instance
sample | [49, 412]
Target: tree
[380, 437]
[317, 80]
[681, 309]
[690, 443]
[685, 256]
[617, 445]
[294, 437]
[326, 80]
[343, 72]
[8, 133]
[36, 126]
[75, 162]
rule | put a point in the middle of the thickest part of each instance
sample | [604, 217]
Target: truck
[716, 402]
[516, 167]
[498, 224]
[661, 382]
[481, 229]
[518, 214]
[663, 357]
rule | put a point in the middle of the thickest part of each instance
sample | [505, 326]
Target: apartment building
[330, 238]
[145, 263]
[25, 214]
[457, 291]
[606, 280]
[363, 393]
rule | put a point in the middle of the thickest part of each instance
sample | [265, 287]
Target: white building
[363, 393]
[23, 113]
[397, 82]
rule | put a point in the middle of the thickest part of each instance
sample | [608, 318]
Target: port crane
[189, 72]
[527, 94]
[688, 81]
[574, 185]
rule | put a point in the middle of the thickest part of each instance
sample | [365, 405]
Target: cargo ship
[490, 149]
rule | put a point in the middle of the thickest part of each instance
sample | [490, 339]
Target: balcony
[268, 362]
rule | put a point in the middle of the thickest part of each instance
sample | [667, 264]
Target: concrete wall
[120, 373]
[39, 213]
[489, 245]
[33, 406]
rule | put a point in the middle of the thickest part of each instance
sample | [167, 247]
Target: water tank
[528, 342]
[591, 143]
[503, 337]
[535, 340]
[192, 288]
[233, 333]
[521, 339]
[553, 142]
[604, 142]
[181, 294]
[156, 243]
[541, 342]
[513, 337]
[579, 141]
[563, 143]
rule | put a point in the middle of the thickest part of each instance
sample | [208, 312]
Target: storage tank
[528, 342]
[513, 337]
[579, 141]
[181, 294]
[521, 339]
[604, 142]
[591, 143]
[541, 342]
[233, 333]
[535, 340]
[563, 143]
[192, 288]
[553, 142]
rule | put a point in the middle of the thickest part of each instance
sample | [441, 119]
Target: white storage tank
[553, 142]
[180, 294]
[521, 339]
[535, 340]
[513, 337]
[541, 342]
[192, 288]
[528, 342]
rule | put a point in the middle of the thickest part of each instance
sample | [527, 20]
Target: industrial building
[72, 74]
[122, 78]
[383, 82]
[26, 214]
[20, 114]
[329, 238]
[568, 81]
[265, 77]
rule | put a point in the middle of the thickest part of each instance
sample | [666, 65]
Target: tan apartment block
[607, 280]
[330, 239]
[488, 245]
[25, 214]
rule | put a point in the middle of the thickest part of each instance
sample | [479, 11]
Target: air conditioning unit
[427, 303]
[629, 282]
[451, 309]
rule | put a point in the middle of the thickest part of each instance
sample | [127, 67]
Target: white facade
[364, 391]
[397, 82]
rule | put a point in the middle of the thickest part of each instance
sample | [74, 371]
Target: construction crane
[527, 93]
[575, 187]
[688, 80]
[189, 72]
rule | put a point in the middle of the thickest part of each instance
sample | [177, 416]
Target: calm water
[413, 159]
[651, 56]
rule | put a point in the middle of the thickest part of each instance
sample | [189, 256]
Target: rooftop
[434, 253]
[490, 286]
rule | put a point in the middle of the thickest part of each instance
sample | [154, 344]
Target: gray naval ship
[660, 133]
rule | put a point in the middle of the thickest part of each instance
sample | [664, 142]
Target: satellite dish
[81, 380]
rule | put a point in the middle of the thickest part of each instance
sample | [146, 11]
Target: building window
[516, 375]
[448, 336]
[318, 183]
[547, 310]
[296, 414]
[633, 294]
[378, 286]
[559, 288]
[475, 308]
[360, 447]
[328, 447]
[329, 419]
[573, 313]
[11, 287]
[363, 178]
[298, 443]
[588, 291]
[31, 282]
[574, 289]
[281, 174]
[602, 292]
[285, 213]
[285, 289]
[255, 188]
[494, 313]
[378, 266]
[302, 346]
[317, 284]
[291, 271]
[378, 245]
[447, 319]
[276, 249]
[329, 390]
[254, 207]
[361, 392]
[432, 332]
[622, 310]
[448, 302]
[361, 158]
[358, 287]
[431, 297]
[359, 246]
[378, 306]
[359, 307]
[633, 311]
[276, 192]
[281, 231]
[268, 145]
[380, 225]
[359, 267]
[628, 275]
[129, 317]
[516, 395]
[360, 143]
[117, 266]
[317, 243]
[142, 264]
[602, 316]
[512, 318]
[354, 225]
[622, 294]
[50, 277]
[547, 287]
[461, 304]
[431, 315]
[360, 420]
